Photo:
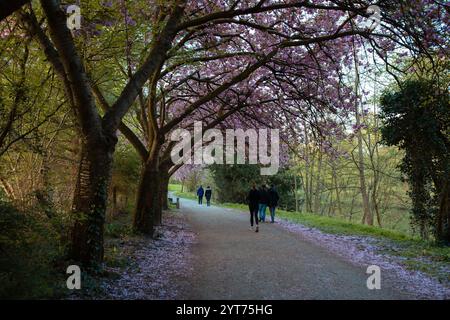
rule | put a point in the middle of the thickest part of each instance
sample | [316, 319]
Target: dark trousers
[272, 213]
[253, 214]
[208, 202]
[200, 199]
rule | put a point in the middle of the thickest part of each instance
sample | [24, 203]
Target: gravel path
[157, 267]
[232, 262]
[364, 250]
[210, 253]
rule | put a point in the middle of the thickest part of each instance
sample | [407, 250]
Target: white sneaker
[257, 229]
[251, 228]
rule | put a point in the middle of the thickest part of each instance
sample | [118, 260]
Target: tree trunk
[309, 165]
[375, 203]
[295, 192]
[318, 189]
[338, 192]
[115, 202]
[443, 220]
[420, 198]
[157, 204]
[164, 191]
[148, 199]
[89, 204]
[367, 214]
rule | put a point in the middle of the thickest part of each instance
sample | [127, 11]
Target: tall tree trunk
[44, 192]
[114, 210]
[89, 204]
[148, 199]
[318, 189]
[164, 191]
[338, 192]
[157, 204]
[309, 166]
[443, 220]
[375, 158]
[419, 194]
[312, 164]
[375, 203]
[307, 189]
[295, 192]
[367, 215]
[161, 194]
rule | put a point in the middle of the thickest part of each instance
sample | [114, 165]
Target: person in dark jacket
[263, 202]
[273, 202]
[253, 202]
[208, 194]
[200, 193]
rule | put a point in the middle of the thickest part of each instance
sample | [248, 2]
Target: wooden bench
[175, 202]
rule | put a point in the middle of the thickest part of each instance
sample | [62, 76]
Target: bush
[29, 251]
[117, 230]
[234, 182]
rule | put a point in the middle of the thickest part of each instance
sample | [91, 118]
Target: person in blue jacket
[200, 193]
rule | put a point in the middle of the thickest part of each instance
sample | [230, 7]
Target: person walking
[200, 193]
[263, 201]
[273, 202]
[253, 201]
[208, 194]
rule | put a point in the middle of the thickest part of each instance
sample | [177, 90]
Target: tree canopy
[147, 68]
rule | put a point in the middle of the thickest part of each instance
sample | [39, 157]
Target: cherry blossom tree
[175, 62]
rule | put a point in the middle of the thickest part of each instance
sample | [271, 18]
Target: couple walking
[207, 194]
[258, 201]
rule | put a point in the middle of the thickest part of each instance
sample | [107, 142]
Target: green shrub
[117, 230]
[30, 249]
